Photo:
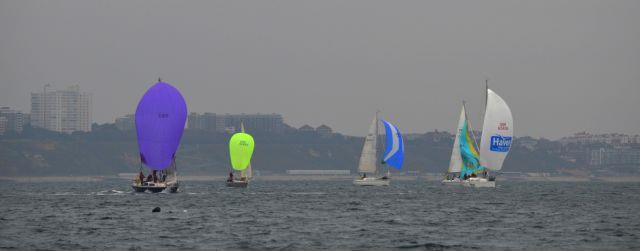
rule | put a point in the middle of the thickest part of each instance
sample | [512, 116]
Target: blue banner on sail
[500, 143]
[394, 146]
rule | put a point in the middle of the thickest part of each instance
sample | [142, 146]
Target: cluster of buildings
[603, 151]
[272, 123]
[126, 122]
[66, 111]
[610, 138]
[11, 120]
[212, 122]
[619, 156]
[322, 130]
[70, 110]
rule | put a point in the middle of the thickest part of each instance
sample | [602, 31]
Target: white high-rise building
[65, 111]
[13, 120]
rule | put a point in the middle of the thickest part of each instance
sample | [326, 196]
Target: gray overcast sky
[563, 66]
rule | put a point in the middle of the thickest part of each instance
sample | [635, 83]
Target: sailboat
[240, 150]
[160, 118]
[497, 137]
[393, 155]
[464, 139]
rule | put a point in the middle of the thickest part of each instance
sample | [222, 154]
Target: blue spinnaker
[160, 120]
[394, 146]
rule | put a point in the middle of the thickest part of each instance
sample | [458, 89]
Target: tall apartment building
[65, 111]
[12, 120]
[231, 122]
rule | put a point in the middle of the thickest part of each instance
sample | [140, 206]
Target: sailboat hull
[372, 182]
[155, 187]
[237, 183]
[455, 182]
[479, 182]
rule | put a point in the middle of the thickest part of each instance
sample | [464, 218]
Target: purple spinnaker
[160, 120]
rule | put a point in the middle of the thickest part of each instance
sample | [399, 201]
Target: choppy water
[321, 215]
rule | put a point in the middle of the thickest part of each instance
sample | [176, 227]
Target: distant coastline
[283, 177]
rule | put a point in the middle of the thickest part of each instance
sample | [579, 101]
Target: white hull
[237, 183]
[455, 182]
[372, 182]
[479, 182]
[171, 186]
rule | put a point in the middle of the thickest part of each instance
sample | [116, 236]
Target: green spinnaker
[240, 150]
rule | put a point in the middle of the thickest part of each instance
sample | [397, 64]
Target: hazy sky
[562, 66]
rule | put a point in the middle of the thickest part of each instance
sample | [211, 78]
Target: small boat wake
[111, 192]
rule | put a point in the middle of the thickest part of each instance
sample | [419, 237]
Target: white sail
[171, 173]
[455, 164]
[369, 150]
[497, 132]
[246, 173]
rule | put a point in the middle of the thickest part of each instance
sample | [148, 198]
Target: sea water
[303, 215]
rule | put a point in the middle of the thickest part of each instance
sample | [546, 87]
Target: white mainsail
[497, 132]
[455, 164]
[368, 163]
[247, 173]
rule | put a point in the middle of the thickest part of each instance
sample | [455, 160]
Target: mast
[486, 100]
[377, 141]
[486, 93]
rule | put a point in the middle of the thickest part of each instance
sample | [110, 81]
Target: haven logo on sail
[500, 143]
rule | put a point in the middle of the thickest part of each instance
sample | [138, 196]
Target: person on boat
[230, 179]
[155, 176]
[149, 178]
[364, 175]
[140, 178]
